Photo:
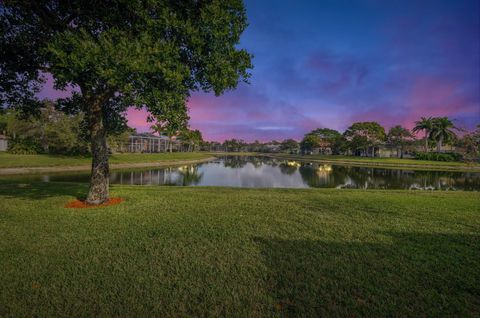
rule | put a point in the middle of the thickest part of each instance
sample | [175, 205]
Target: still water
[263, 172]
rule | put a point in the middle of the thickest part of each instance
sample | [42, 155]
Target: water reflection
[287, 169]
[182, 176]
[321, 176]
[237, 171]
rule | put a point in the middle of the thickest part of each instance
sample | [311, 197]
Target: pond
[264, 172]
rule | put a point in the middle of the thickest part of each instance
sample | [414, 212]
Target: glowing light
[293, 164]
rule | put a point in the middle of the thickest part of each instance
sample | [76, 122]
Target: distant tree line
[368, 138]
[239, 145]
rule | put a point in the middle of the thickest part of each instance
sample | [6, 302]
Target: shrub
[435, 156]
[26, 146]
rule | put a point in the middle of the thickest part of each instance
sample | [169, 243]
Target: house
[150, 143]
[324, 147]
[271, 147]
[3, 143]
[390, 151]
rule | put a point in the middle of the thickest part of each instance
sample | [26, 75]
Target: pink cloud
[137, 118]
[427, 96]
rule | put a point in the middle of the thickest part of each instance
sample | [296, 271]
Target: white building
[150, 143]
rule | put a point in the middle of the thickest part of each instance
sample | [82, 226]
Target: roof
[148, 136]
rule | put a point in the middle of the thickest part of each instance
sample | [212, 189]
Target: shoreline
[117, 166]
[172, 163]
[401, 166]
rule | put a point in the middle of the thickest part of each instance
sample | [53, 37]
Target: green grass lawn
[389, 161]
[16, 161]
[199, 252]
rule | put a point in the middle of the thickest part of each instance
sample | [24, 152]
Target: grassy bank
[384, 162]
[168, 252]
[30, 161]
[20, 161]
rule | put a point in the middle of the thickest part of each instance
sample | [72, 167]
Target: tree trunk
[99, 179]
[43, 140]
[439, 144]
[426, 141]
[169, 144]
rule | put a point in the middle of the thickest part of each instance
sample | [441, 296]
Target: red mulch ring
[77, 204]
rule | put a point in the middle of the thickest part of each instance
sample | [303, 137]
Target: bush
[435, 156]
[25, 146]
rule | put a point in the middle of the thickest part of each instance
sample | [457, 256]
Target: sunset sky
[330, 63]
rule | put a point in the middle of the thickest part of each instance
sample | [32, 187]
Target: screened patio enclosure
[151, 143]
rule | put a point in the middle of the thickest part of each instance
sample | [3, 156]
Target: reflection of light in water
[293, 164]
[323, 171]
[186, 169]
[326, 168]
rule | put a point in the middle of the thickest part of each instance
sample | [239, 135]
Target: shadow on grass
[40, 190]
[411, 274]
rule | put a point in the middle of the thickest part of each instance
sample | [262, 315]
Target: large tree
[119, 53]
[365, 135]
[398, 137]
[329, 138]
[309, 142]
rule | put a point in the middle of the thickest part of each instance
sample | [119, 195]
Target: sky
[328, 63]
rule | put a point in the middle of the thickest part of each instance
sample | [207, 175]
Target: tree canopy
[373, 131]
[309, 142]
[152, 53]
[398, 136]
[326, 133]
[362, 135]
[192, 138]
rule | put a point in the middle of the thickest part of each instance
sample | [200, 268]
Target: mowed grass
[20, 161]
[209, 252]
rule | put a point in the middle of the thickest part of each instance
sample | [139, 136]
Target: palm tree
[163, 128]
[424, 124]
[170, 123]
[442, 131]
[191, 138]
